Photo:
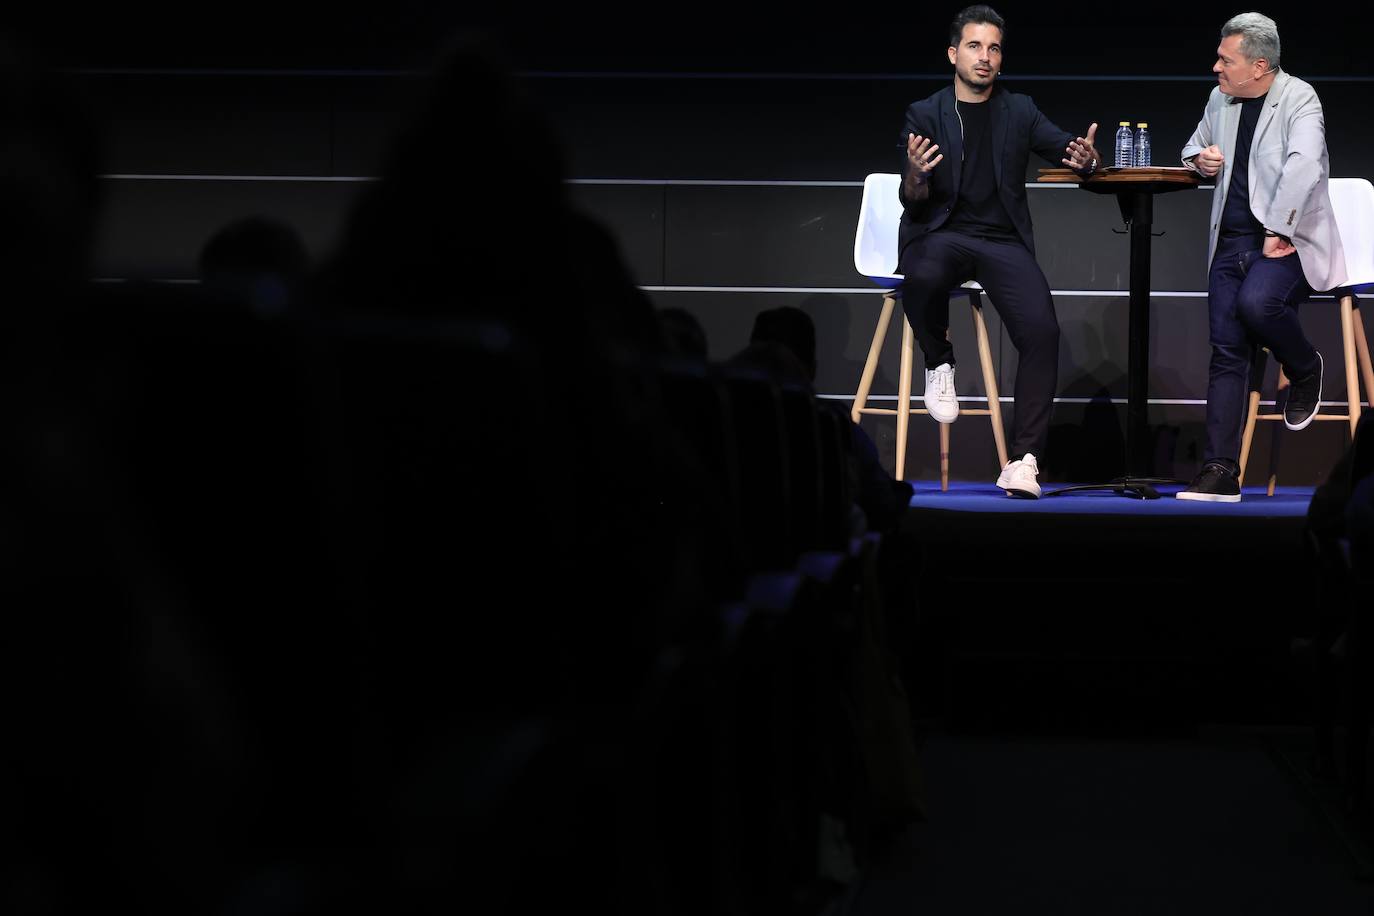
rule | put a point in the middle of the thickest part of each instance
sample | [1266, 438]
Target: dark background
[726, 152]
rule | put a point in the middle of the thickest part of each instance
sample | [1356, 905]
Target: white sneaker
[940, 398]
[1018, 478]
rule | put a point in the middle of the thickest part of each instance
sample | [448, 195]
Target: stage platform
[1094, 609]
[985, 498]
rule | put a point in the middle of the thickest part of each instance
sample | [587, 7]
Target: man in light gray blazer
[1273, 236]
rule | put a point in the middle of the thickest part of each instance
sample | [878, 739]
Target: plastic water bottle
[1142, 144]
[1125, 146]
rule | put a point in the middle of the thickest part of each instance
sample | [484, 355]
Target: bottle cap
[1142, 124]
[1125, 123]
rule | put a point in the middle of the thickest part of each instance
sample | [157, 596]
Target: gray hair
[1259, 36]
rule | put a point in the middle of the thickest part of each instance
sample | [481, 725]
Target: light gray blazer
[1288, 173]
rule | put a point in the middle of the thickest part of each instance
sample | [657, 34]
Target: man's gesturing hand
[1209, 161]
[918, 153]
[1082, 151]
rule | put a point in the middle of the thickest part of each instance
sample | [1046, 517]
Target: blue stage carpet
[1287, 502]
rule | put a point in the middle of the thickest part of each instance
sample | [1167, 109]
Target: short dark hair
[793, 329]
[979, 14]
[685, 335]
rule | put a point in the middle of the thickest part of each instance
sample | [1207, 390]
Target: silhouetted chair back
[760, 430]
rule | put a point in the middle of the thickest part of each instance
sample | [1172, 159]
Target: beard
[974, 78]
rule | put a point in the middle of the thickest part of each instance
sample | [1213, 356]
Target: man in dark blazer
[965, 218]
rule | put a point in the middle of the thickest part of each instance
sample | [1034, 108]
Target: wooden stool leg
[1250, 413]
[1349, 346]
[944, 457]
[874, 349]
[1275, 444]
[999, 435]
[1352, 377]
[904, 397]
[1258, 358]
[1362, 348]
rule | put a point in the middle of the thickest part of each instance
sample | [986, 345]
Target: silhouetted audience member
[114, 730]
[1359, 521]
[883, 500]
[469, 221]
[792, 328]
[258, 262]
[1326, 511]
[774, 359]
[185, 718]
[521, 621]
[49, 184]
[469, 218]
[1331, 536]
[683, 334]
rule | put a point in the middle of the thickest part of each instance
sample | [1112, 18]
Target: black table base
[1137, 210]
[1134, 487]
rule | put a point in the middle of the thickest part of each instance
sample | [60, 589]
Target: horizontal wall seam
[1157, 402]
[628, 182]
[1087, 293]
[368, 73]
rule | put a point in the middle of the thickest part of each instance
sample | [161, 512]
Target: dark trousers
[935, 263]
[1252, 301]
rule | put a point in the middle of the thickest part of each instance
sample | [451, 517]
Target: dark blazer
[1018, 128]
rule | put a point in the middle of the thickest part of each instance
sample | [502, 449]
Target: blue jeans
[1252, 301]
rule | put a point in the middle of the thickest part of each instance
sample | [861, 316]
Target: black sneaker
[1304, 397]
[1215, 483]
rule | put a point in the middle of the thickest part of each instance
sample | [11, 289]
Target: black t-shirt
[1237, 219]
[979, 211]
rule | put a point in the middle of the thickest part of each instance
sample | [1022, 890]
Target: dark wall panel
[719, 129]
[727, 129]
[1094, 339]
[1080, 240]
[887, 37]
[770, 236]
[1093, 346]
[804, 236]
[635, 216]
[1087, 446]
[842, 130]
[367, 114]
[716, 236]
[215, 125]
[155, 229]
